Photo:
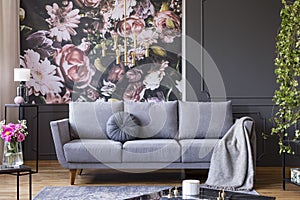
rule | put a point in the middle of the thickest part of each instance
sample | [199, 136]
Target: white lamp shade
[21, 74]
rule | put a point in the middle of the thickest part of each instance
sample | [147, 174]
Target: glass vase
[12, 154]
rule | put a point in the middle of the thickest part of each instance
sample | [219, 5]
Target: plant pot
[12, 154]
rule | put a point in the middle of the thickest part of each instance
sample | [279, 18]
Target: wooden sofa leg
[72, 176]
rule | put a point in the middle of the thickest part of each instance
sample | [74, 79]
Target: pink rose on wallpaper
[88, 3]
[134, 74]
[92, 94]
[75, 66]
[116, 73]
[134, 92]
[168, 25]
[133, 25]
[58, 99]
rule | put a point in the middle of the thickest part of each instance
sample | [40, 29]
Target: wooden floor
[268, 180]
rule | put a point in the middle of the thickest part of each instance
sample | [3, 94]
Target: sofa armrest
[61, 135]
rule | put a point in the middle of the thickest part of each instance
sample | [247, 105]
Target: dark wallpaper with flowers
[76, 51]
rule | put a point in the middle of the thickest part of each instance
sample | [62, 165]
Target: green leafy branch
[287, 96]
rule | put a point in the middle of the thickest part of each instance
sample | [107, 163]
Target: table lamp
[22, 75]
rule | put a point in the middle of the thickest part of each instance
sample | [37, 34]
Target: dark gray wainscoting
[260, 110]
[39, 130]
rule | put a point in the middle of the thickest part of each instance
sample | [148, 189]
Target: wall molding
[247, 100]
[256, 115]
[262, 100]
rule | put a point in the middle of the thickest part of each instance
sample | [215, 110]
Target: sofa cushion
[88, 119]
[93, 151]
[197, 150]
[151, 150]
[204, 119]
[158, 120]
[122, 126]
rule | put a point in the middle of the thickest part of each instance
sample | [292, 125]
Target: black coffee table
[204, 194]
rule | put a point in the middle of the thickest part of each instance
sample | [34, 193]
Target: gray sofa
[173, 135]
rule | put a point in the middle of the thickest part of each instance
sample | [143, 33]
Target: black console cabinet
[46, 114]
[38, 123]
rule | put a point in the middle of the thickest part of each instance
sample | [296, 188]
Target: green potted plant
[287, 62]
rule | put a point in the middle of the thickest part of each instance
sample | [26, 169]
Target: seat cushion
[204, 119]
[158, 120]
[88, 119]
[151, 150]
[122, 126]
[93, 151]
[197, 150]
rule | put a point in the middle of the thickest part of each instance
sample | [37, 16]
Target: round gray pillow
[122, 126]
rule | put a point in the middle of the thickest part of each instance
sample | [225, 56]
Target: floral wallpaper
[102, 50]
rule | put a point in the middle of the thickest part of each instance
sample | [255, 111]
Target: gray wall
[239, 35]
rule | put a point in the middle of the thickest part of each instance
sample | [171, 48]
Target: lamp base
[18, 100]
[22, 92]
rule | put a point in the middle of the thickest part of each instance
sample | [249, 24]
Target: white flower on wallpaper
[118, 11]
[147, 35]
[108, 88]
[43, 74]
[62, 21]
[145, 9]
[153, 79]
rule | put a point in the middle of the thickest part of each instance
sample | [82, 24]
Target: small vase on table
[13, 136]
[12, 154]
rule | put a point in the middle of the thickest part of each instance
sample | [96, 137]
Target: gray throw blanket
[233, 160]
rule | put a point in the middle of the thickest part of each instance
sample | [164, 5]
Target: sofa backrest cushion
[158, 120]
[204, 119]
[88, 119]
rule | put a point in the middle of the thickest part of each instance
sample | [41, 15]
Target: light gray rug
[101, 192]
[95, 192]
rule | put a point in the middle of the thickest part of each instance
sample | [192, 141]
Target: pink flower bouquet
[13, 135]
[13, 132]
